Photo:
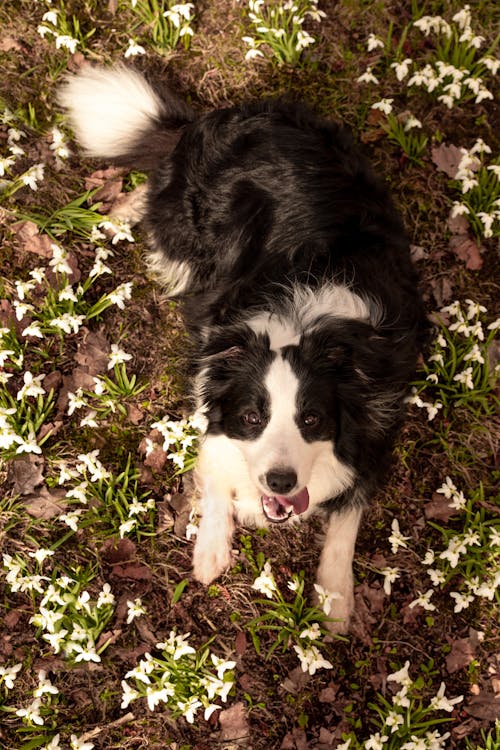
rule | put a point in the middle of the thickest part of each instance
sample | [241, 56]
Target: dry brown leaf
[234, 722]
[118, 552]
[484, 706]
[295, 740]
[135, 572]
[439, 507]
[447, 158]
[157, 459]
[92, 352]
[25, 474]
[463, 651]
[240, 643]
[467, 250]
[46, 503]
[31, 241]
[442, 290]
[8, 43]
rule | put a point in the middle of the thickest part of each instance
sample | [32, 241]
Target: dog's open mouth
[279, 509]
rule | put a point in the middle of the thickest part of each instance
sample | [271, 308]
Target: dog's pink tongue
[300, 501]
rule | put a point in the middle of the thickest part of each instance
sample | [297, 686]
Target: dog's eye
[310, 420]
[252, 418]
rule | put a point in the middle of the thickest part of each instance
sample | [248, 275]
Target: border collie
[294, 273]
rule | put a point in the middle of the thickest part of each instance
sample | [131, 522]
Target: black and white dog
[297, 287]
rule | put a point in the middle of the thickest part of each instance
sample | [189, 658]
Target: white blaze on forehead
[305, 307]
[282, 385]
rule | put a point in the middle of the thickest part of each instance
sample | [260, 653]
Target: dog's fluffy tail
[117, 115]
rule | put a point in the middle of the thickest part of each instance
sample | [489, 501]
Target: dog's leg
[335, 567]
[212, 552]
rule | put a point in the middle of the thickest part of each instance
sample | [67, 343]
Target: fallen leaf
[234, 722]
[157, 459]
[484, 706]
[417, 253]
[31, 241]
[467, 250]
[135, 572]
[442, 290]
[109, 183]
[25, 474]
[439, 507]
[457, 224]
[113, 552]
[447, 158]
[92, 352]
[240, 643]
[296, 681]
[463, 651]
[8, 43]
[134, 414]
[46, 503]
[328, 694]
[295, 740]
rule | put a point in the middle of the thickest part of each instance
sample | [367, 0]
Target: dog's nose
[281, 481]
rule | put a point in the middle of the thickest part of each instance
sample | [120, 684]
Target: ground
[273, 702]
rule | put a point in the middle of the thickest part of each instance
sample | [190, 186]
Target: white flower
[265, 583]
[376, 742]
[77, 744]
[44, 686]
[441, 703]
[423, 600]
[33, 330]
[105, 597]
[134, 49]
[491, 64]
[401, 676]
[447, 489]
[71, 519]
[33, 176]
[390, 575]
[459, 209]
[128, 694]
[221, 665]
[53, 744]
[311, 659]
[456, 547]
[32, 713]
[189, 708]
[313, 632]
[68, 323]
[86, 653]
[437, 576]
[41, 554]
[384, 105]
[402, 68]
[396, 538]
[325, 598]
[76, 401]
[134, 609]
[117, 356]
[32, 386]
[466, 378]
[66, 41]
[394, 721]
[89, 420]
[368, 77]
[462, 601]
[374, 42]
[8, 675]
[120, 294]
[411, 123]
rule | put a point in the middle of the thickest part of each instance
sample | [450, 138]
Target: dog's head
[299, 413]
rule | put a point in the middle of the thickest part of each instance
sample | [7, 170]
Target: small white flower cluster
[91, 480]
[479, 185]
[180, 438]
[307, 634]
[55, 24]
[449, 82]
[40, 711]
[279, 26]
[458, 368]
[409, 717]
[181, 679]
[180, 16]
[70, 620]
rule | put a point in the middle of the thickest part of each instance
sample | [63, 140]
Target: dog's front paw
[210, 559]
[338, 606]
